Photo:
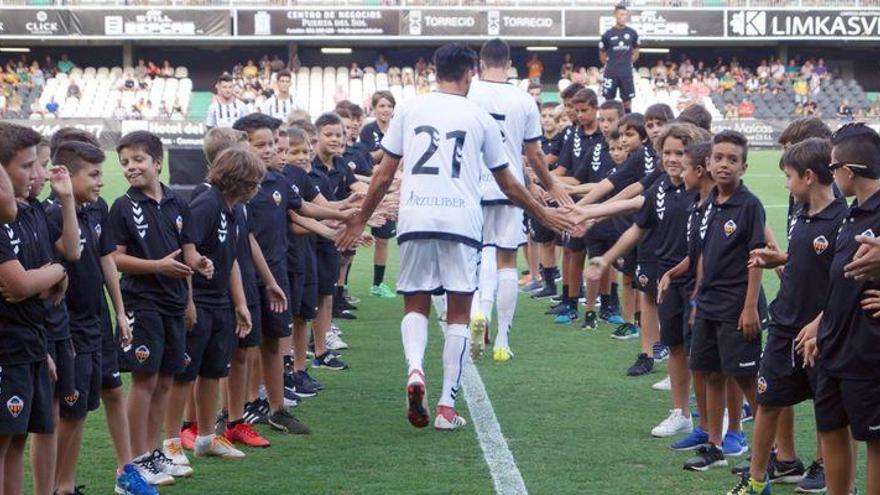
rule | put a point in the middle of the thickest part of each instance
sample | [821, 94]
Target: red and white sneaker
[188, 436]
[447, 419]
[245, 434]
[417, 400]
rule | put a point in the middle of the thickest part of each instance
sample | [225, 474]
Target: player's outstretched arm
[555, 218]
[319, 212]
[599, 191]
[383, 176]
[608, 209]
[538, 161]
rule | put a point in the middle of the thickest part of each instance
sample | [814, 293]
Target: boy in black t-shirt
[27, 278]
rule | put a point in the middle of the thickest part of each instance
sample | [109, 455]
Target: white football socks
[505, 304]
[488, 282]
[414, 333]
[455, 349]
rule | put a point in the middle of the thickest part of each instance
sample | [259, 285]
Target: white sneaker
[441, 423]
[663, 385]
[151, 472]
[335, 329]
[335, 343]
[218, 447]
[174, 451]
[167, 466]
[673, 425]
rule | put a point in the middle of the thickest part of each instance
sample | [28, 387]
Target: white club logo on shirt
[868, 233]
[276, 196]
[729, 228]
[98, 230]
[222, 231]
[820, 244]
[179, 223]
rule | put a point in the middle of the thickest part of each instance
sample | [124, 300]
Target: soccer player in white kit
[445, 141]
[504, 227]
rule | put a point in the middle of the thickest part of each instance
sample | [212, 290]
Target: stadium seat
[356, 90]
[397, 92]
[369, 87]
[181, 72]
[381, 82]
[563, 83]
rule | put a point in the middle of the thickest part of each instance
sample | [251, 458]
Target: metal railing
[444, 3]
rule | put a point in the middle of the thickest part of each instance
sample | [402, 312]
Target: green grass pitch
[574, 423]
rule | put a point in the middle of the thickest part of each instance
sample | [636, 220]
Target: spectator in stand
[250, 70]
[792, 70]
[49, 66]
[52, 107]
[801, 90]
[567, 69]
[167, 70]
[422, 86]
[381, 65]
[727, 82]
[535, 68]
[177, 114]
[65, 65]
[134, 113]
[763, 70]
[712, 82]
[535, 92]
[140, 71]
[153, 70]
[811, 109]
[730, 111]
[13, 106]
[820, 69]
[746, 109]
[421, 66]
[73, 90]
[119, 113]
[807, 69]
[658, 72]
[38, 78]
[355, 72]
[844, 111]
[276, 64]
[777, 70]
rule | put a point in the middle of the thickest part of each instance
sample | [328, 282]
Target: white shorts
[503, 226]
[437, 266]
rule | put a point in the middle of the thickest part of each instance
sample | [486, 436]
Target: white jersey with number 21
[446, 141]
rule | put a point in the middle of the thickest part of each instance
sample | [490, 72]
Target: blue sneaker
[747, 413]
[734, 443]
[693, 441]
[568, 317]
[661, 352]
[616, 319]
[130, 482]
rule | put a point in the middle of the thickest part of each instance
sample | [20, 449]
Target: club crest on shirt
[820, 244]
[729, 228]
[868, 233]
[179, 223]
[643, 280]
[762, 385]
[98, 230]
[70, 399]
[142, 353]
[15, 405]
[276, 196]
[352, 165]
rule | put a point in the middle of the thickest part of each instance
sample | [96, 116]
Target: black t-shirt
[695, 233]
[300, 253]
[22, 325]
[357, 158]
[640, 164]
[559, 140]
[848, 335]
[730, 231]
[151, 231]
[665, 212]
[214, 232]
[371, 136]
[619, 45]
[547, 145]
[57, 317]
[269, 221]
[577, 150]
[803, 290]
[599, 167]
[86, 277]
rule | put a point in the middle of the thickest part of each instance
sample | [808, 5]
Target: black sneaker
[329, 361]
[788, 472]
[313, 383]
[345, 304]
[813, 480]
[285, 422]
[591, 321]
[708, 456]
[343, 314]
[544, 293]
[642, 366]
[556, 299]
[301, 387]
[220, 423]
[253, 414]
[290, 398]
[558, 309]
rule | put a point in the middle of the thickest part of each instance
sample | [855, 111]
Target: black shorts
[539, 233]
[25, 399]
[64, 355]
[627, 264]
[720, 346]
[386, 231]
[255, 336]
[578, 244]
[842, 402]
[327, 259]
[276, 325]
[110, 376]
[611, 85]
[782, 379]
[209, 345]
[598, 247]
[303, 296]
[673, 314]
[87, 396]
[158, 343]
[646, 278]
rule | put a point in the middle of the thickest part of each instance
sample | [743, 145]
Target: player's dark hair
[549, 105]
[297, 135]
[71, 134]
[613, 105]
[256, 121]
[614, 135]
[305, 125]
[698, 153]
[810, 154]
[570, 90]
[14, 138]
[326, 119]
[735, 138]
[356, 112]
[634, 121]
[495, 53]
[801, 129]
[587, 96]
[236, 171]
[383, 95]
[686, 133]
[620, 6]
[283, 73]
[343, 113]
[453, 61]
[224, 77]
[534, 85]
[144, 141]
[696, 115]
[76, 155]
[659, 111]
[858, 143]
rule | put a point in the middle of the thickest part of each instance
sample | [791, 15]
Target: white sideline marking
[505, 474]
